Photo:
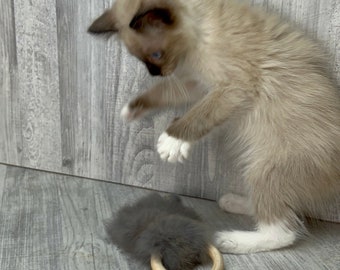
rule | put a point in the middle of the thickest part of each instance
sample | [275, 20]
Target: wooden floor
[52, 221]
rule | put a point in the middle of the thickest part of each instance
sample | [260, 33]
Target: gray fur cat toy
[164, 233]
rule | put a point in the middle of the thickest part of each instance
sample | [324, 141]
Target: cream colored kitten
[262, 78]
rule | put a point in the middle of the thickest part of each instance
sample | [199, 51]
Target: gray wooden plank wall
[62, 91]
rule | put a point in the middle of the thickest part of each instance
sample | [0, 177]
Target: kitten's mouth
[160, 73]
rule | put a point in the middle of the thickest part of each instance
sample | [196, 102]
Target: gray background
[61, 92]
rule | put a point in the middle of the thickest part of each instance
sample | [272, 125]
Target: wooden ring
[156, 262]
[216, 257]
[214, 254]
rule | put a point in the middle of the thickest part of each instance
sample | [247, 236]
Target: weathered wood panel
[62, 91]
[10, 122]
[52, 222]
[38, 84]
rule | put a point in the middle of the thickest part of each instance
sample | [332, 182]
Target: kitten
[262, 78]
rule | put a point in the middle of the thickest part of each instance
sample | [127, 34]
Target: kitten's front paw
[126, 113]
[171, 149]
[129, 113]
[134, 109]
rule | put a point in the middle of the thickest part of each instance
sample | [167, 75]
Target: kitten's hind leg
[236, 204]
[275, 205]
[266, 237]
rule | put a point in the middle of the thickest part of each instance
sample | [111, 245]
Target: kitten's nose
[153, 69]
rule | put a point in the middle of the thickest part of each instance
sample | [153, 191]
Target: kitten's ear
[105, 23]
[155, 18]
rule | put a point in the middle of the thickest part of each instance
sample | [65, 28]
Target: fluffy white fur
[265, 238]
[125, 112]
[171, 149]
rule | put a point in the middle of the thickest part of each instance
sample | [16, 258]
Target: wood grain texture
[62, 91]
[38, 84]
[52, 222]
[10, 122]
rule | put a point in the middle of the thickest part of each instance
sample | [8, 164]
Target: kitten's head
[150, 29]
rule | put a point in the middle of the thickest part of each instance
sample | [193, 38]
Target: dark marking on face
[157, 17]
[153, 69]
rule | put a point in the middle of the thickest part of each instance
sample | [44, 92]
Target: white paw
[226, 242]
[171, 149]
[130, 112]
[125, 112]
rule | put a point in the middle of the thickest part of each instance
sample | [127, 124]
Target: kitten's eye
[156, 55]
